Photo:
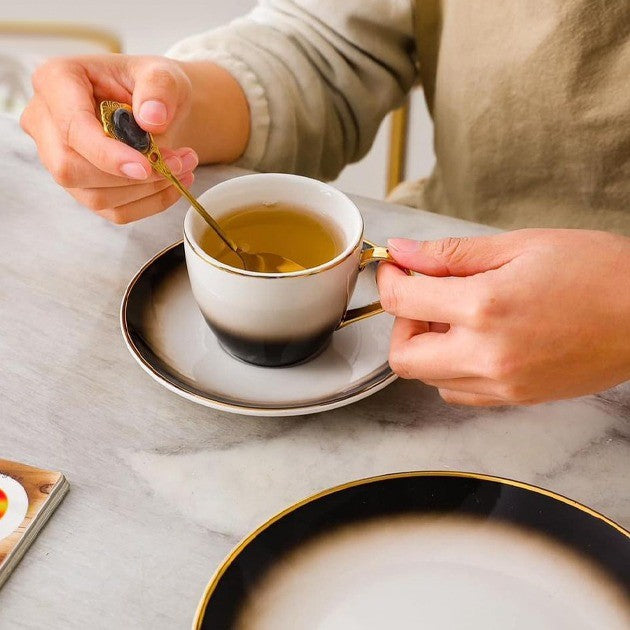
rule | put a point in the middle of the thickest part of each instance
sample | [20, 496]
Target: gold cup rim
[347, 251]
[217, 264]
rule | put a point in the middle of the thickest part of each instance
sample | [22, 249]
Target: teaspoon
[120, 124]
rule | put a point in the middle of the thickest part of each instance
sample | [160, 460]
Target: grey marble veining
[161, 489]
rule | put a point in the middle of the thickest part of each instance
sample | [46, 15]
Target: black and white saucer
[167, 335]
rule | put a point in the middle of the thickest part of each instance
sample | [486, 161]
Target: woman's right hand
[104, 174]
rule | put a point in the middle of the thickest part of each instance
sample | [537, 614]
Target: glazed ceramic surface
[274, 319]
[435, 550]
[167, 335]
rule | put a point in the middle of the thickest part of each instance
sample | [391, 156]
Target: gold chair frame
[397, 159]
[63, 30]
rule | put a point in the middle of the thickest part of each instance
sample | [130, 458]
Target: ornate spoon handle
[119, 123]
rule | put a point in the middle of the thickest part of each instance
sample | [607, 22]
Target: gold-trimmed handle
[376, 253]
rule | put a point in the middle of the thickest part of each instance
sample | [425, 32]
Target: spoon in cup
[119, 123]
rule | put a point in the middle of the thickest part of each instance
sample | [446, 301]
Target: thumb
[161, 88]
[454, 256]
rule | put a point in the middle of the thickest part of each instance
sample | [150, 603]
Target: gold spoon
[119, 123]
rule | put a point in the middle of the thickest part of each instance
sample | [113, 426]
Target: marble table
[161, 488]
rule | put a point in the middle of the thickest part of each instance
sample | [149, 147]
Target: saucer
[167, 335]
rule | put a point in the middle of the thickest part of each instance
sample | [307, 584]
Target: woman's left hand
[517, 318]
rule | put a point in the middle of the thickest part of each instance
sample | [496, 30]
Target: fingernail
[189, 161]
[134, 170]
[403, 244]
[153, 112]
[175, 164]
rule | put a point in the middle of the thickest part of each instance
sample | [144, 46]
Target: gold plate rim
[236, 551]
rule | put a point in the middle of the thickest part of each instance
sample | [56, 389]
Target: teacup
[279, 319]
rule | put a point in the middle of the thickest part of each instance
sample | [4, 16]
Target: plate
[167, 335]
[437, 550]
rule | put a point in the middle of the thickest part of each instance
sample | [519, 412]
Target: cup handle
[375, 253]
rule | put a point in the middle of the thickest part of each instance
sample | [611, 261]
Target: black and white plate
[167, 335]
[437, 550]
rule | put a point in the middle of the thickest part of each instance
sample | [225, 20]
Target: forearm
[318, 75]
[218, 124]
[621, 304]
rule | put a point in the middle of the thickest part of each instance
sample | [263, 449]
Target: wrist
[218, 122]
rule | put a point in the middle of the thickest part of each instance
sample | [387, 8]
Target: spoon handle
[119, 123]
[160, 166]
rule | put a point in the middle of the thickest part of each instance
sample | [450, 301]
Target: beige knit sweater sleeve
[319, 76]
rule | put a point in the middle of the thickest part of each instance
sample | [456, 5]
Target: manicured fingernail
[175, 164]
[189, 161]
[153, 112]
[403, 244]
[134, 170]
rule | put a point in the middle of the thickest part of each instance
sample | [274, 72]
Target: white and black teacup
[276, 319]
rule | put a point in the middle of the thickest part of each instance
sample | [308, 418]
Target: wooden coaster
[44, 490]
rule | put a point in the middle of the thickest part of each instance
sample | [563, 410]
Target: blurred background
[33, 29]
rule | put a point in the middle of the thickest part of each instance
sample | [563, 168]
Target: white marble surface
[161, 489]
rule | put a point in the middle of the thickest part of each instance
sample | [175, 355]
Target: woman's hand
[517, 318]
[106, 175]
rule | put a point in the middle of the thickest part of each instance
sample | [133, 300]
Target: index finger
[423, 297]
[70, 100]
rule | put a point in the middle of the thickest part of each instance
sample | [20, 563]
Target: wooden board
[38, 484]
